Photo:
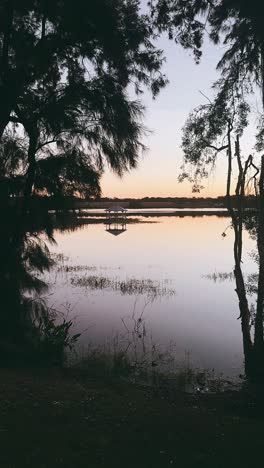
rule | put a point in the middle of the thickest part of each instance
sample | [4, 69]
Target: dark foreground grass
[63, 419]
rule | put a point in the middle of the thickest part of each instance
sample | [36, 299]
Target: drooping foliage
[64, 71]
[67, 175]
[218, 125]
[237, 26]
[65, 67]
[208, 128]
[235, 23]
[66, 40]
[95, 116]
[181, 21]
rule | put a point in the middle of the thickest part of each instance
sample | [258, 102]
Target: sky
[158, 169]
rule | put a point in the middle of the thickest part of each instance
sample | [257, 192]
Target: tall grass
[135, 356]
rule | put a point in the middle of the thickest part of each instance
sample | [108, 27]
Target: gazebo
[116, 220]
[116, 210]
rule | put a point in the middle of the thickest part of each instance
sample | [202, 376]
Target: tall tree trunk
[237, 222]
[258, 339]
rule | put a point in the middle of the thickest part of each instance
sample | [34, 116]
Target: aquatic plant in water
[129, 286]
[219, 276]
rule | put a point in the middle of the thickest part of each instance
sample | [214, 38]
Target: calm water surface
[196, 313]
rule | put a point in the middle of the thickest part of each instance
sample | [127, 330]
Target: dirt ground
[64, 419]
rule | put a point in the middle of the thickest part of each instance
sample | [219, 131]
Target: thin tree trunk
[258, 339]
[237, 221]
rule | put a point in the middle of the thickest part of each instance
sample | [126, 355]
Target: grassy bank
[66, 419]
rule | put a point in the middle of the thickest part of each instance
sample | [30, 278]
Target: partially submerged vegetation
[142, 362]
[81, 268]
[134, 355]
[130, 286]
[220, 276]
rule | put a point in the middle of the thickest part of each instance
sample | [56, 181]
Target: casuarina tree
[65, 68]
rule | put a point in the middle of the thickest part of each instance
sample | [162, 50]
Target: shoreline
[156, 213]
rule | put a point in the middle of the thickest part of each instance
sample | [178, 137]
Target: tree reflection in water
[250, 291]
[28, 328]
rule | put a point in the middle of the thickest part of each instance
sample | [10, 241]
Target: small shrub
[50, 340]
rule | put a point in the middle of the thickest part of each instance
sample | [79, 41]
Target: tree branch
[221, 148]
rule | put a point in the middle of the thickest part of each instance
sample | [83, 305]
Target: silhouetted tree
[211, 129]
[46, 41]
[238, 25]
[67, 176]
[64, 70]
[94, 121]
[235, 23]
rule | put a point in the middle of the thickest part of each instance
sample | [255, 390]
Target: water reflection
[250, 289]
[200, 317]
[116, 228]
[156, 267]
[115, 220]
[28, 329]
[24, 257]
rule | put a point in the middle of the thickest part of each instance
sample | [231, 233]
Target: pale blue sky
[158, 169]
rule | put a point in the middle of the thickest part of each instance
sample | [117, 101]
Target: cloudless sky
[159, 167]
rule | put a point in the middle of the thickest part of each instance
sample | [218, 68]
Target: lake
[172, 273]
